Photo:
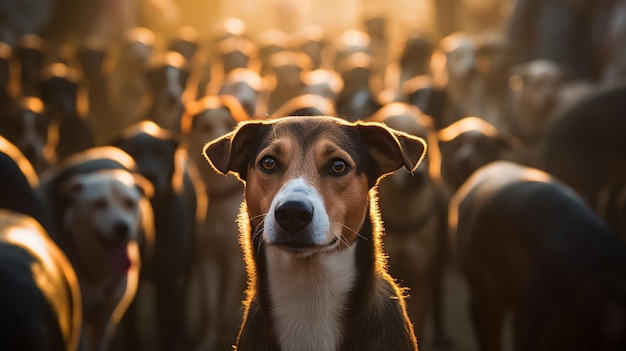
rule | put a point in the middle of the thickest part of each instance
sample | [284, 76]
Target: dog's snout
[294, 215]
[121, 231]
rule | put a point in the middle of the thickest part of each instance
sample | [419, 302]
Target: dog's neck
[309, 297]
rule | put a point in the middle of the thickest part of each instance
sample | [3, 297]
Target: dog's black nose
[294, 215]
[121, 232]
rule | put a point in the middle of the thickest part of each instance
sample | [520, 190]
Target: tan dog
[311, 232]
[103, 222]
[218, 277]
[414, 211]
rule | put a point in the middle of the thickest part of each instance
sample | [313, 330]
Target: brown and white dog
[311, 232]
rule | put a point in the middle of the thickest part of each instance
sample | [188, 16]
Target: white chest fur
[309, 297]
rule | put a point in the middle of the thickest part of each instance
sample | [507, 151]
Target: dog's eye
[268, 163]
[100, 204]
[339, 167]
[129, 204]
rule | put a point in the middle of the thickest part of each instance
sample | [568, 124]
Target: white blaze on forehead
[294, 190]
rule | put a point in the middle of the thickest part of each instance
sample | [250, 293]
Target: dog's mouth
[118, 252]
[301, 248]
[119, 259]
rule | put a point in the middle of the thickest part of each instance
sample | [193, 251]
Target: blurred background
[541, 83]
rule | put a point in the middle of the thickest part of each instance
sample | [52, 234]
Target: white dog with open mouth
[103, 221]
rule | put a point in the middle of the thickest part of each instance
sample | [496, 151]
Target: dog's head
[306, 105]
[410, 119]
[236, 52]
[154, 150]
[246, 85]
[25, 124]
[536, 85]
[207, 119]
[59, 87]
[103, 215]
[468, 144]
[308, 179]
[324, 82]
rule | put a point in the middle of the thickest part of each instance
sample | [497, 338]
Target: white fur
[297, 189]
[110, 188]
[309, 296]
[308, 291]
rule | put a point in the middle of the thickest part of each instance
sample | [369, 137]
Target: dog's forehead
[307, 131]
[107, 184]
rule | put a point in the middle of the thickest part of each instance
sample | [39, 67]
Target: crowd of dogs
[116, 233]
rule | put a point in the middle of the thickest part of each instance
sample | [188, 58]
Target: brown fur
[307, 148]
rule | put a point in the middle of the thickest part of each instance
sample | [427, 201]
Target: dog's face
[466, 145]
[245, 85]
[59, 89]
[26, 125]
[168, 77]
[308, 178]
[538, 83]
[103, 216]
[208, 119]
[153, 149]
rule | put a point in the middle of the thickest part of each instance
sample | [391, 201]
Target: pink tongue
[121, 262]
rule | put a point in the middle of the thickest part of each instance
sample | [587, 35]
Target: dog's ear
[70, 188]
[392, 149]
[232, 152]
[144, 186]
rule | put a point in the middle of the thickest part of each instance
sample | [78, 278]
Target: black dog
[592, 131]
[530, 245]
[155, 151]
[40, 299]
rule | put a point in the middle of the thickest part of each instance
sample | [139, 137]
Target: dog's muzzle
[297, 220]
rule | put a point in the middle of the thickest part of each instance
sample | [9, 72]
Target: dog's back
[529, 244]
[40, 296]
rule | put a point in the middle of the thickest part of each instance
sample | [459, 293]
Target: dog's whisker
[262, 215]
[352, 231]
[258, 234]
[344, 240]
